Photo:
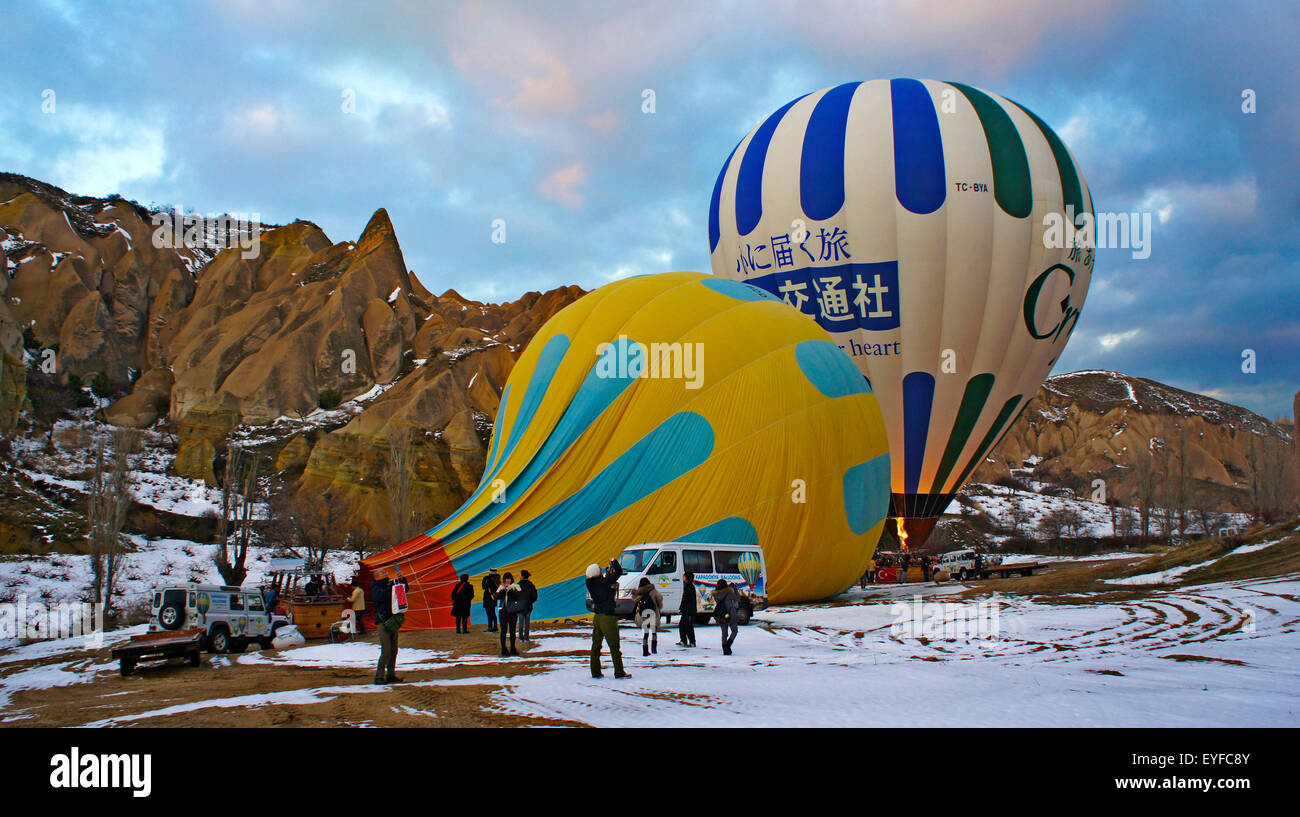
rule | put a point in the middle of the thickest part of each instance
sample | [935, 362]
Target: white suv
[960, 564]
[230, 617]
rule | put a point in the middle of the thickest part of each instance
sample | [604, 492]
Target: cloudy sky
[532, 112]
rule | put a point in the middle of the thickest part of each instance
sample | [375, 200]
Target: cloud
[1231, 201]
[1111, 340]
[100, 152]
[563, 184]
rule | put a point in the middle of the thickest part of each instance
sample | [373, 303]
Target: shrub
[330, 398]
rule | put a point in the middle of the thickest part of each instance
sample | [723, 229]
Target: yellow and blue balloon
[670, 407]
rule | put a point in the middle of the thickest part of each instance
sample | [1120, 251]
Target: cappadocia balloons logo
[918, 222]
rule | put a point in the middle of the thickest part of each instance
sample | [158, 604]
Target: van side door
[665, 573]
[700, 562]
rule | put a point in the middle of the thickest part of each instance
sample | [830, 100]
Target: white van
[664, 563]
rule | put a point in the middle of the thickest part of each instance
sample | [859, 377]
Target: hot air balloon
[671, 407]
[751, 570]
[930, 227]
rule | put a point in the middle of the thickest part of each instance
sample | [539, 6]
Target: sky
[455, 115]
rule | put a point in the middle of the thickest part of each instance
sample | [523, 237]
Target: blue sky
[532, 113]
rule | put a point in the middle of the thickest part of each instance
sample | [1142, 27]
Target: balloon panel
[911, 219]
[755, 430]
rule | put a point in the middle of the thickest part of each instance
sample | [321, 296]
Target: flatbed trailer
[162, 644]
[1005, 571]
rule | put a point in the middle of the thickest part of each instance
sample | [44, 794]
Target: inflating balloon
[673, 407]
[930, 228]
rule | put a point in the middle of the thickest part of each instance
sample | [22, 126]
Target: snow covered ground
[993, 501]
[1223, 654]
[1217, 655]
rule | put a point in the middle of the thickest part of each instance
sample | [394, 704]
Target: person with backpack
[690, 601]
[603, 589]
[389, 621]
[462, 597]
[530, 597]
[511, 597]
[490, 584]
[726, 609]
[649, 606]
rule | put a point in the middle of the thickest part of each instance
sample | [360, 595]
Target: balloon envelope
[929, 227]
[672, 407]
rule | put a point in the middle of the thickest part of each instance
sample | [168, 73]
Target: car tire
[961, 575]
[702, 619]
[743, 615]
[171, 617]
[127, 666]
[194, 659]
[220, 641]
[238, 645]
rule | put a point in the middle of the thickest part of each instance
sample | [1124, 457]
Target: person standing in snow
[603, 589]
[511, 597]
[686, 624]
[649, 605]
[462, 597]
[726, 607]
[389, 623]
[530, 598]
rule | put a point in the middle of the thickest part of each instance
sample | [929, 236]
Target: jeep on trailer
[229, 617]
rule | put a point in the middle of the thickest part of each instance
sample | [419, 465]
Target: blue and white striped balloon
[930, 228]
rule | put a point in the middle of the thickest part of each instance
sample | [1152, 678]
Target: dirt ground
[159, 685]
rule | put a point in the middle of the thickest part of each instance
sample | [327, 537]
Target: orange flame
[902, 532]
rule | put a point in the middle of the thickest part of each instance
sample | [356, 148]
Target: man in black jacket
[381, 592]
[490, 584]
[603, 589]
[530, 597]
[686, 626]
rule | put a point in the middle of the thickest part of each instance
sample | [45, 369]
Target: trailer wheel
[194, 658]
[238, 645]
[1029, 572]
[126, 665]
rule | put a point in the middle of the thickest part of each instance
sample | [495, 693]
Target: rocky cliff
[1090, 425]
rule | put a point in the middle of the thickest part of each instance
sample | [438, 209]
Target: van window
[697, 561]
[666, 563]
[157, 599]
[236, 601]
[635, 560]
[254, 603]
[728, 561]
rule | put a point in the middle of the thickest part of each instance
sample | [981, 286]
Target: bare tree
[238, 495]
[319, 526]
[397, 483]
[110, 498]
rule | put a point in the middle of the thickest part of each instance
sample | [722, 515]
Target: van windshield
[635, 560]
